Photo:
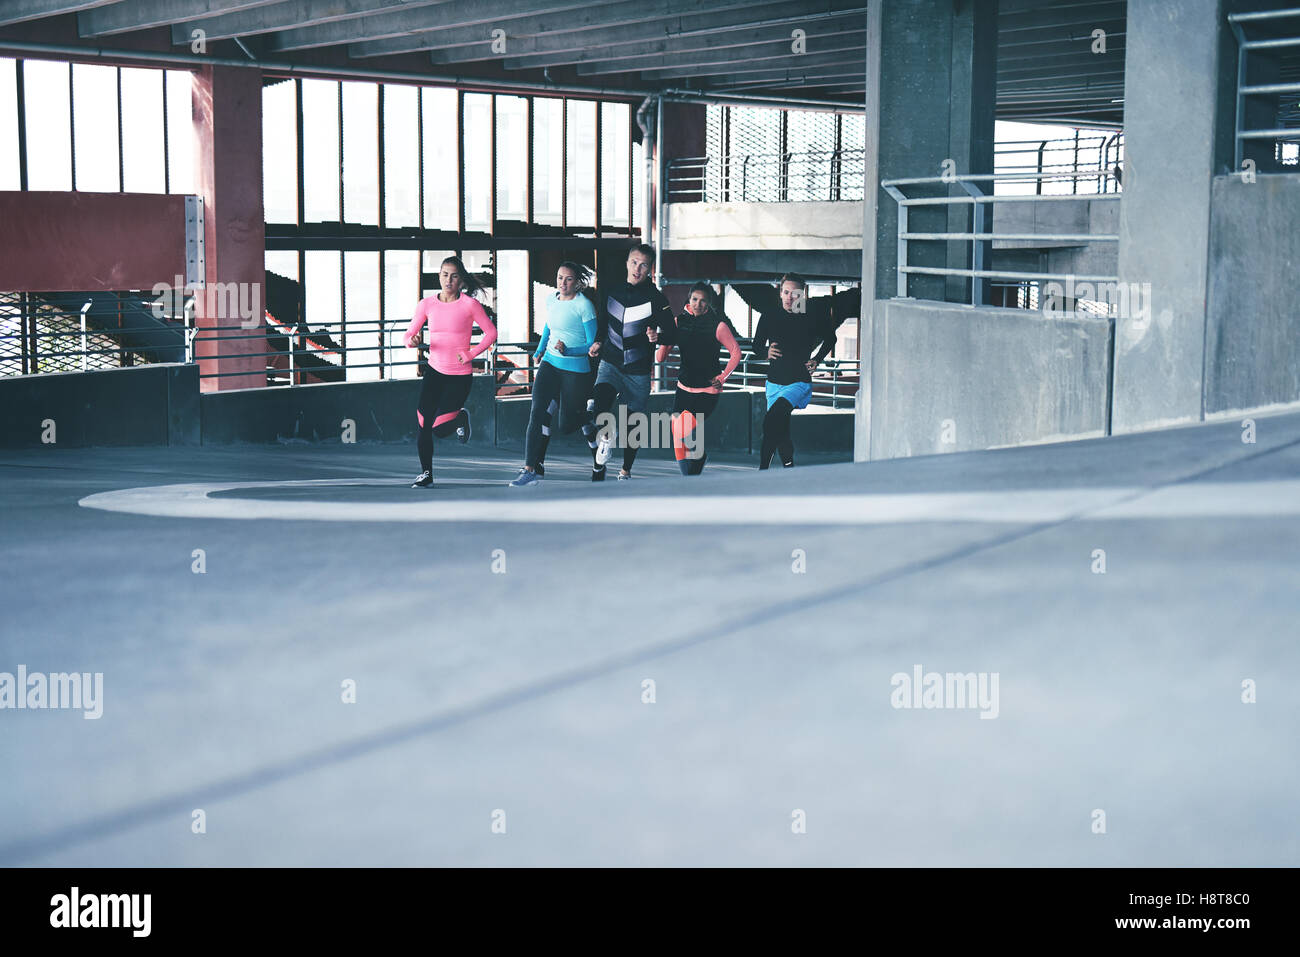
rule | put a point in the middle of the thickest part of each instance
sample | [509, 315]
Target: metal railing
[811, 176]
[981, 236]
[309, 356]
[836, 175]
[1280, 135]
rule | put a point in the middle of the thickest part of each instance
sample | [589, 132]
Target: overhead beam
[491, 14]
[793, 64]
[288, 14]
[749, 54]
[16, 11]
[628, 20]
[143, 14]
[786, 78]
[748, 26]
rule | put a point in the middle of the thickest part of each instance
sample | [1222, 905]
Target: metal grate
[53, 341]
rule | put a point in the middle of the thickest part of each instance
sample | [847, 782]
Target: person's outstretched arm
[489, 330]
[417, 323]
[759, 296]
[728, 339]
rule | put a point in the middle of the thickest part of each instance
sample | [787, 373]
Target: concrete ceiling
[1046, 69]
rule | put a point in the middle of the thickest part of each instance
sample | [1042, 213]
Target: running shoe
[624, 476]
[526, 478]
[424, 481]
[598, 473]
[464, 430]
[602, 449]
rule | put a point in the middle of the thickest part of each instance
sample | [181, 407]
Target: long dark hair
[580, 272]
[468, 283]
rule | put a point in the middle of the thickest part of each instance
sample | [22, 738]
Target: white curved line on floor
[1192, 500]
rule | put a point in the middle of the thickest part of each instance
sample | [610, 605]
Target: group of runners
[619, 342]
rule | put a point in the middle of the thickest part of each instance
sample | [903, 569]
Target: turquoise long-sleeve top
[573, 322]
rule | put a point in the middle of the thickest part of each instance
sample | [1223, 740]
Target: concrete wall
[382, 411]
[764, 225]
[141, 405]
[1253, 333]
[1001, 376]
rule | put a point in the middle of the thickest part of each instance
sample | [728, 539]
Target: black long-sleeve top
[623, 315]
[796, 334]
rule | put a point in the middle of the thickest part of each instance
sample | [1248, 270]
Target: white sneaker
[602, 448]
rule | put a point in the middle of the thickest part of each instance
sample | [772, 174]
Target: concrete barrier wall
[162, 405]
[951, 378]
[786, 226]
[381, 411]
[139, 405]
[1252, 346]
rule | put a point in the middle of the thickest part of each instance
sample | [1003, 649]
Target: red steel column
[228, 140]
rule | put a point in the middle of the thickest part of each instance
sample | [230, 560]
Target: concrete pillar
[228, 136]
[1177, 67]
[931, 96]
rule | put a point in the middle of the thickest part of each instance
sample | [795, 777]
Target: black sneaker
[464, 430]
[424, 481]
[598, 473]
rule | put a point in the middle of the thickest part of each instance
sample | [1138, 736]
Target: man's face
[638, 267]
[792, 297]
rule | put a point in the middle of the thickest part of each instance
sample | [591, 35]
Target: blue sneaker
[526, 478]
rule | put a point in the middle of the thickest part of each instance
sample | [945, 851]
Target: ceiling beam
[143, 14]
[723, 31]
[490, 14]
[780, 51]
[288, 14]
[625, 21]
[16, 11]
[807, 63]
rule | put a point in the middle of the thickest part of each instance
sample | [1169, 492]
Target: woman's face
[566, 282]
[699, 303]
[450, 278]
[792, 297]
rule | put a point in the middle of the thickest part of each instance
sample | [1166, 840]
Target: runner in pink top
[451, 316]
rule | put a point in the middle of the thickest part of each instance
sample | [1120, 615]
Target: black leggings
[603, 398]
[557, 390]
[776, 434]
[442, 399]
[689, 412]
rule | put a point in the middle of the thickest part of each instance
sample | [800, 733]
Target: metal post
[898, 197]
[659, 186]
[979, 221]
[85, 358]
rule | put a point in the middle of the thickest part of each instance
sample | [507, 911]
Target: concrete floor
[516, 696]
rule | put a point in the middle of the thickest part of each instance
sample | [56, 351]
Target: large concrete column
[1177, 67]
[228, 136]
[931, 96]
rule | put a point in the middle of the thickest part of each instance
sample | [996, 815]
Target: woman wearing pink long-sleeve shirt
[451, 316]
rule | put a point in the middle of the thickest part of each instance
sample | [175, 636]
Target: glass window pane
[401, 293]
[401, 156]
[142, 126]
[361, 278]
[614, 119]
[512, 295]
[512, 163]
[9, 178]
[548, 161]
[321, 294]
[94, 118]
[361, 153]
[180, 131]
[478, 162]
[283, 262]
[582, 164]
[638, 183]
[438, 106]
[49, 140]
[320, 121]
[279, 152]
